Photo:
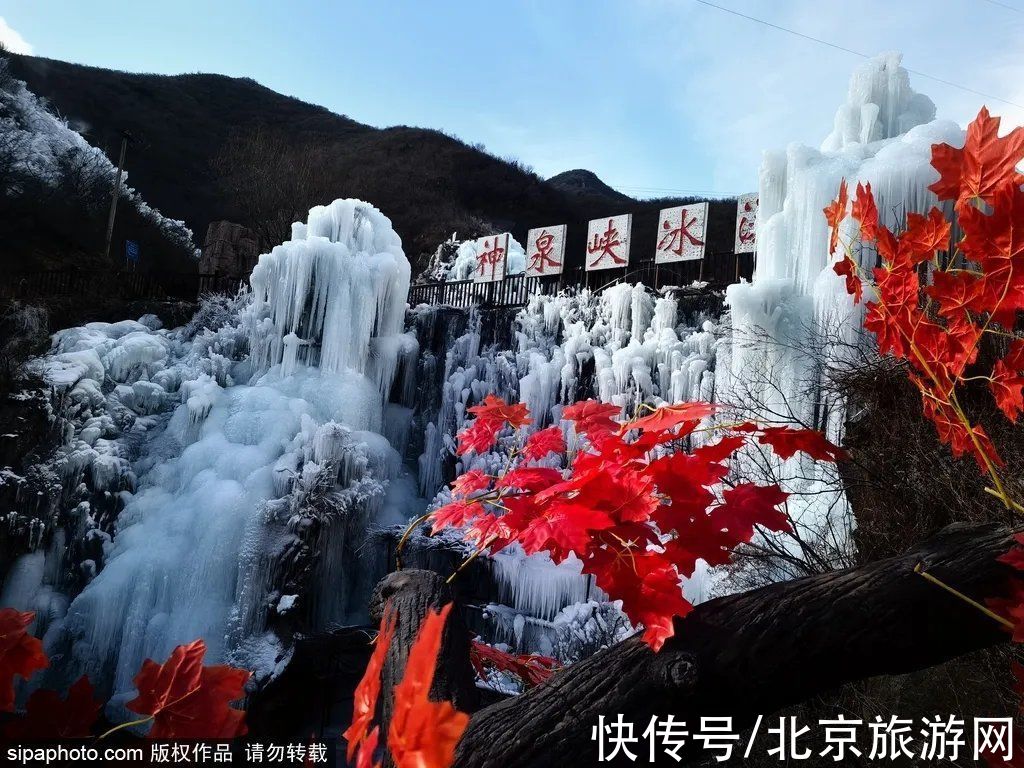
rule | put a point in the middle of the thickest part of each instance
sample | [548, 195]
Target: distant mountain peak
[580, 181]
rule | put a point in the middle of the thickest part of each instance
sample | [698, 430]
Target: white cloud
[11, 40]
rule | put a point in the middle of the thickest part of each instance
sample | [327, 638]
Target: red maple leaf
[530, 478]
[923, 236]
[364, 707]
[20, 653]
[48, 716]
[541, 443]
[592, 416]
[1007, 381]
[957, 293]
[455, 514]
[648, 586]
[470, 482]
[424, 733]
[985, 162]
[188, 700]
[847, 267]
[493, 408]
[786, 441]
[532, 670]
[479, 436]
[996, 243]
[835, 212]
[563, 527]
[669, 416]
[866, 212]
[747, 505]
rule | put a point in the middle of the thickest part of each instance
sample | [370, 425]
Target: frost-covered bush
[45, 166]
[23, 333]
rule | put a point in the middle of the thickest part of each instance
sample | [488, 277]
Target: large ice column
[883, 134]
[251, 461]
[795, 319]
[328, 296]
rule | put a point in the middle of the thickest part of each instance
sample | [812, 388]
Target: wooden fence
[130, 285]
[515, 290]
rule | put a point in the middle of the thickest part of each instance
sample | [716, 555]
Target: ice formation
[221, 478]
[465, 262]
[795, 318]
[211, 466]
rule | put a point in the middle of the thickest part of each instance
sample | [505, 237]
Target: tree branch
[757, 652]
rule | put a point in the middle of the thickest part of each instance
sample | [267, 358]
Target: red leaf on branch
[985, 162]
[924, 236]
[470, 482]
[48, 716]
[747, 505]
[530, 478]
[532, 670]
[786, 442]
[493, 408]
[670, 416]
[592, 416]
[424, 733]
[835, 212]
[847, 267]
[541, 443]
[479, 436]
[866, 212]
[188, 700]
[996, 243]
[364, 708]
[1007, 383]
[649, 588]
[20, 654]
[562, 527]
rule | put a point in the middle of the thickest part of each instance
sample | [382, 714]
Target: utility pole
[125, 138]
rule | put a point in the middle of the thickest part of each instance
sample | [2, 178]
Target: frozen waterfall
[245, 454]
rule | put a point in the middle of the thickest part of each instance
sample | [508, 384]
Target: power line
[863, 55]
[1004, 5]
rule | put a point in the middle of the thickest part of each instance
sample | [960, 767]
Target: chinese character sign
[608, 242]
[545, 251]
[681, 233]
[491, 254]
[746, 223]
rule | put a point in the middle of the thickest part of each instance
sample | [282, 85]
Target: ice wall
[222, 477]
[795, 320]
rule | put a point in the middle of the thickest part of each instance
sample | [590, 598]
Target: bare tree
[273, 181]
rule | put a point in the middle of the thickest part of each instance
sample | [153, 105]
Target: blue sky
[656, 96]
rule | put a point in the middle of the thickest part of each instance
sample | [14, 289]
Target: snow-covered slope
[38, 146]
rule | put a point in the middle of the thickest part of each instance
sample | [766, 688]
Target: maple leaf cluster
[182, 698]
[422, 733]
[636, 507]
[937, 326]
[530, 669]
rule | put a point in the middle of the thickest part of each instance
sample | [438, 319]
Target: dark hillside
[194, 157]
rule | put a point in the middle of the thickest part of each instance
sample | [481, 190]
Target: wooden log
[748, 654]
